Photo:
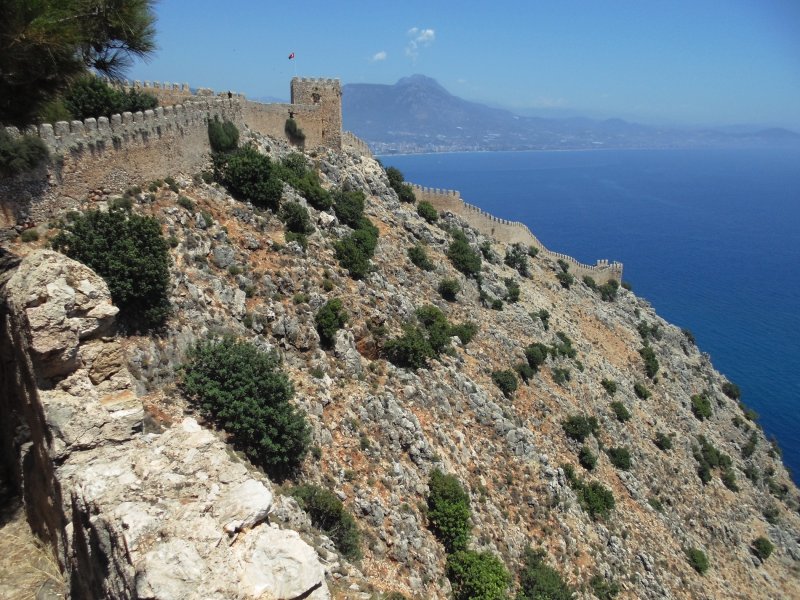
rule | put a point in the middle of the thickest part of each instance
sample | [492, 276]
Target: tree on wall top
[44, 44]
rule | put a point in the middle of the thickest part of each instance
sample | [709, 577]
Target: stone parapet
[103, 132]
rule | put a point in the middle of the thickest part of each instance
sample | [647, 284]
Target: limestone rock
[278, 564]
[243, 506]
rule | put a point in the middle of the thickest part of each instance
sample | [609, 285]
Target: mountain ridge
[417, 114]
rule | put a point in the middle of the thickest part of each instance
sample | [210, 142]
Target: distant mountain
[417, 114]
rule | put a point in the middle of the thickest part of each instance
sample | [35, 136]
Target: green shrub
[448, 288]
[524, 371]
[596, 499]
[448, 511]
[436, 327]
[293, 169]
[419, 257]
[771, 513]
[517, 258]
[561, 375]
[698, 560]
[650, 360]
[186, 203]
[349, 207]
[465, 331]
[249, 175]
[91, 97]
[243, 389]
[506, 381]
[590, 282]
[728, 478]
[536, 355]
[497, 304]
[544, 316]
[222, 136]
[403, 190]
[170, 181]
[296, 218]
[620, 411]
[29, 235]
[579, 427]
[20, 155]
[563, 265]
[293, 132]
[701, 406]
[426, 210]
[731, 390]
[609, 386]
[563, 347]
[565, 279]
[538, 581]
[620, 458]
[762, 547]
[663, 441]
[749, 413]
[604, 589]
[587, 458]
[649, 332]
[355, 250]
[689, 336]
[463, 257]
[641, 390]
[328, 514]
[129, 252]
[477, 576]
[329, 319]
[608, 291]
[138, 100]
[512, 291]
[750, 447]
[487, 252]
[54, 111]
[708, 458]
[411, 350]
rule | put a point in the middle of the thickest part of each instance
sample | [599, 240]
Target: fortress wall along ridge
[512, 232]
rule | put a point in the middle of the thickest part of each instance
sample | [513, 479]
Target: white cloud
[379, 56]
[419, 38]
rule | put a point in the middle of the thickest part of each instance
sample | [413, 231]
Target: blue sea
[710, 237]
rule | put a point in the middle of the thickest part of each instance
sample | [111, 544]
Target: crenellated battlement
[63, 136]
[128, 149]
[511, 232]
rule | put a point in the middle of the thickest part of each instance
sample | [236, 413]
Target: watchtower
[326, 94]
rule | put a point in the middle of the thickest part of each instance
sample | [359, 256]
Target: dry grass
[26, 565]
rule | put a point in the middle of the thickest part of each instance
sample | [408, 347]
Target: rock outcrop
[168, 516]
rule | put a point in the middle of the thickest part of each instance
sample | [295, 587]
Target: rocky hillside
[189, 514]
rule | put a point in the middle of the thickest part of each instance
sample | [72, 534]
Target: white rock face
[170, 516]
[278, 564]
[244, 506]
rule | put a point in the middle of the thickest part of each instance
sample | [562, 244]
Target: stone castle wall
[350, 141]
[113, 154]
[130, 149]
[512, 232]
[316, 106]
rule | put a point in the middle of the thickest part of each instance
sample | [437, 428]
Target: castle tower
[327, 95]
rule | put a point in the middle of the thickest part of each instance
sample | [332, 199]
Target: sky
[671, 62]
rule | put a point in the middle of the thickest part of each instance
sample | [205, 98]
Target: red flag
[291, 56]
